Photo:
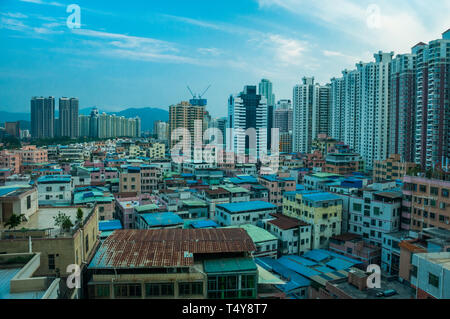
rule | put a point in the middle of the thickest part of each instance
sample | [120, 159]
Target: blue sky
[144, 53]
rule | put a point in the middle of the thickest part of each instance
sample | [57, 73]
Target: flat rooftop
[403, 291]
[246, 206]
[6, 275]
[43, 218]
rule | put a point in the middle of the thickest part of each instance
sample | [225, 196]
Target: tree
[63, 221]
[80, 214]
[15, 220]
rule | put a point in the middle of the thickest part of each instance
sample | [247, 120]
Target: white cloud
[53, 3]
[13, 15]
[402, 23]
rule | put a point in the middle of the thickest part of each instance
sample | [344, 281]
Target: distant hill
[13, 117]
[147, 115]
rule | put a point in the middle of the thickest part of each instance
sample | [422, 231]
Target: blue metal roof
[161, 219]
[301, 260]
[295, 280]
[300, 269]
[318, 197]
[340, 264]
[246, 206]
[108, 225]
[7, 190]
[55, 179]
[316, 255]
[324, 269]
[204, 224]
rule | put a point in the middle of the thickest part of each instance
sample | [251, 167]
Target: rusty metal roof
[167, 247]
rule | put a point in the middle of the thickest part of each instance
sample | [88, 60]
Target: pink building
[277, 185]
[125, 208]
[32, 155]
[10, 160]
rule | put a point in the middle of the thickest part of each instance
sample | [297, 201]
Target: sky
[145, 53]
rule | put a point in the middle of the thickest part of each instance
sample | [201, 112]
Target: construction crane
[197, 99]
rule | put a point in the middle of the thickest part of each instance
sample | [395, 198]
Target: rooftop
[6, 275]
[161, 219]
[321, 197]
[246, 206]
[167, 247]
[286, 222]
[108, 225]
[257, 234]
[54, 179]
[229, 265]
[148, 207]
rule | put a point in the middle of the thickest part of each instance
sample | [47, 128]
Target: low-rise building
[323, 211]
[432, 275]
[277, 186]
[393, 168]
[294, 235]
[99, 196]
[55, 190]
[428, 202]
[159, 221]
[343, 163]
[11, 161]
[17, 200]
[58, 247]
[190, 264]
[374, 211]
[235, 214]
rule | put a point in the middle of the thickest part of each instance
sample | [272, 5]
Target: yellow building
[392, 168]
[58, 248]
[321, 210]
[156, 151]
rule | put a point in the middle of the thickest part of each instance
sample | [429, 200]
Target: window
[159, 290]
[190, 288]
[102, 291]
[433, 280]
[29, 202]
[248, 282]
[124, 290]
[51, 262]
[357, 207]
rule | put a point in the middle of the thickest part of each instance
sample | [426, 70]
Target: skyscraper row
[311, 102]
[43, 122]
[397, 105]
[104, 125]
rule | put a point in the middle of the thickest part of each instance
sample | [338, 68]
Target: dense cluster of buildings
[357, 186]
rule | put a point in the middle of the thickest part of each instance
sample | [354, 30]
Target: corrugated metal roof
[167, 247]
